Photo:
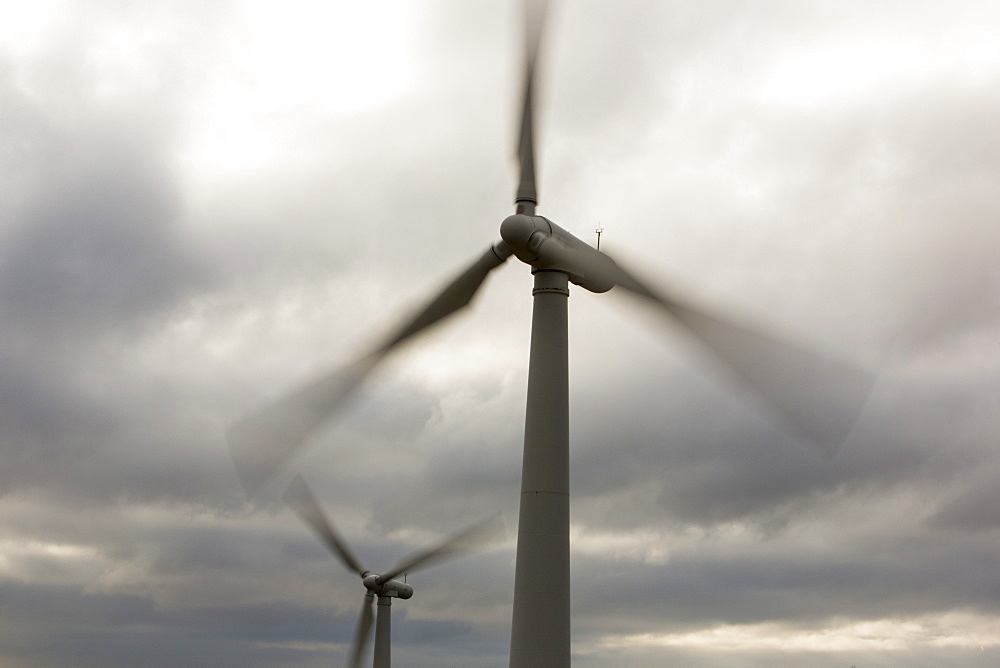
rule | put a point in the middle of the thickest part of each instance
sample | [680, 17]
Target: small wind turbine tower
[300, 498]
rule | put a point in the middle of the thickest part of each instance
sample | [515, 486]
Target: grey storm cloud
[95, 247]
[92, 257]
[205, 206]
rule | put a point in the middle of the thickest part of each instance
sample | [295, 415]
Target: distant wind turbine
[383, 585]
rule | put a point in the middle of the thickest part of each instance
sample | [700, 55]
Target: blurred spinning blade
[527, 190]
[818, 395]
[474, 537]
[363, 630]
[300, 498]
[264, 441]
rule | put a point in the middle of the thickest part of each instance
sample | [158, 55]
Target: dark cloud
[150, 296]
[96, 246]
[974, 508]
[60, 626]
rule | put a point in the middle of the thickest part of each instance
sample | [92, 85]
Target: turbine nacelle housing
[392, 588]
[537, 241]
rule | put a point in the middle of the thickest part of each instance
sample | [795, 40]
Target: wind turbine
[300, 498]
[816, 394]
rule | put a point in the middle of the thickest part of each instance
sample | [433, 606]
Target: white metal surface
[540, 632]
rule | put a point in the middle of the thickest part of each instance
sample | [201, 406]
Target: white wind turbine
[817, 395]
[384, 586]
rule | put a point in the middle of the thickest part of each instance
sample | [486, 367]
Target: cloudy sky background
[204, 204]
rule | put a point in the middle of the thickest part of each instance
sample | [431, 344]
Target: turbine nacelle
[537, 241]
[392, 588]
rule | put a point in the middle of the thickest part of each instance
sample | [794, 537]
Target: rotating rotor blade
[363, 631]
[262, 442]
[534, 12]
[454, 297]
[476, 536]
[300, 498]
[818, 395]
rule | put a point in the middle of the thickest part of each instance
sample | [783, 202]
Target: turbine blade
[478, 535]
[300, 498]
[534, 13]
[264, 441]
[363, 631]
[454, 297]
[818, 395]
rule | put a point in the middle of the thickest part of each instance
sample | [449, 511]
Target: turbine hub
[518, 230]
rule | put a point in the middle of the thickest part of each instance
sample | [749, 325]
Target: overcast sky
[205, 203]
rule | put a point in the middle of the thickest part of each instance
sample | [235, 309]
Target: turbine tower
[816, 394]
